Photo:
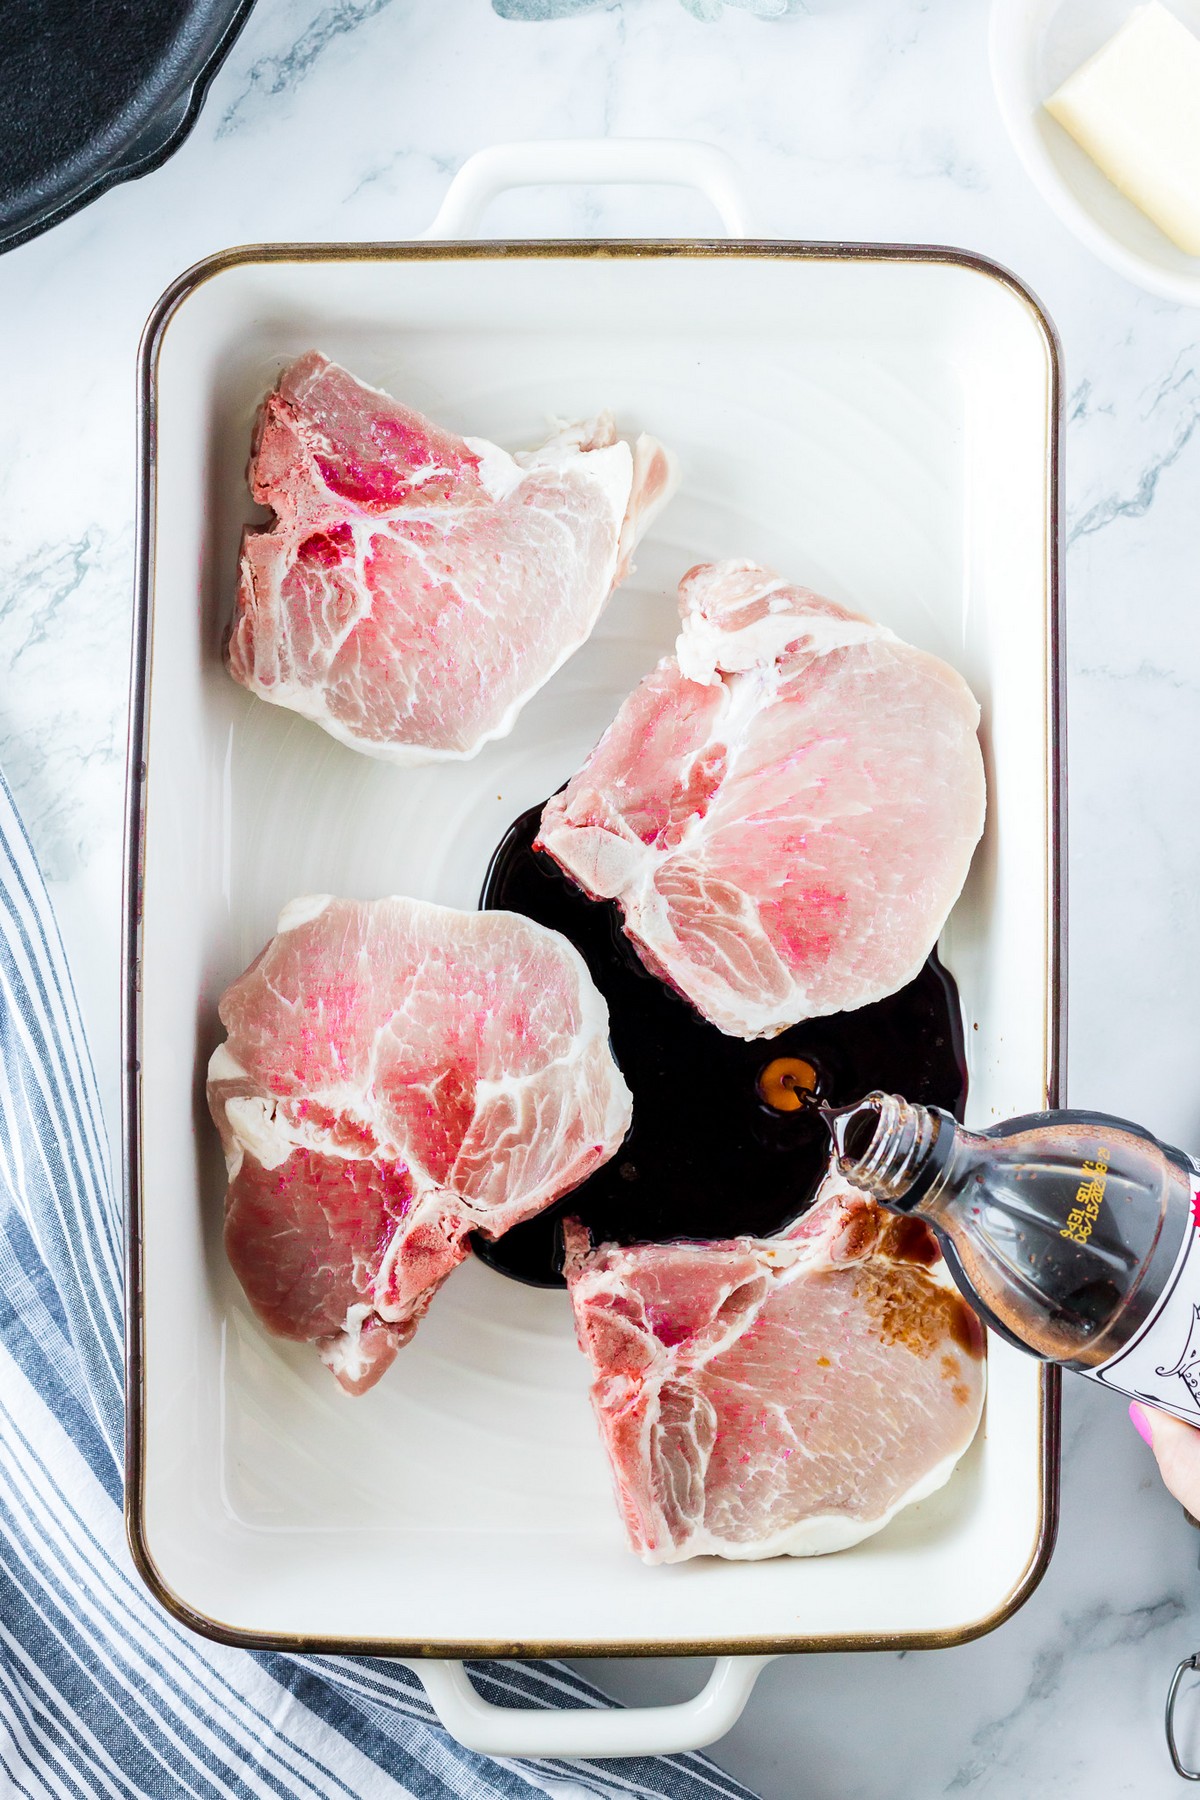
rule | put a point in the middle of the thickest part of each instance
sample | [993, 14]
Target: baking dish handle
[555, 162]
[590, 1731]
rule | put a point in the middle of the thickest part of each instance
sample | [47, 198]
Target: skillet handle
[666, 162]
[590, 1731]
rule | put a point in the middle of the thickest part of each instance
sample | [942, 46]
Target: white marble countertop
[867, 119]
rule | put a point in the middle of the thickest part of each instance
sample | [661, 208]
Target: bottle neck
[893, 1149]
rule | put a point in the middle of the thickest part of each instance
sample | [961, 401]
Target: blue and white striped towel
[100, 1692]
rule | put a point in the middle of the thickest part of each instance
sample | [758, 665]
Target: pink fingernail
[1141, 1423]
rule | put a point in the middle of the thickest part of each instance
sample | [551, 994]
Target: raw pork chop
[415, 587]
[785, 809]
[395, 1076]
[779, 1396]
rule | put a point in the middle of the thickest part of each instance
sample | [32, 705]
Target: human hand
[1176, 1448]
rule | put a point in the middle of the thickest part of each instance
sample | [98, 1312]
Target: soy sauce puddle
[706, 1157]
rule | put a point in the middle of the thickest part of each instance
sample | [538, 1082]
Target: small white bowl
[1035, 45]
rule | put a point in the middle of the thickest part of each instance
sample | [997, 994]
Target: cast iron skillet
[93, 92]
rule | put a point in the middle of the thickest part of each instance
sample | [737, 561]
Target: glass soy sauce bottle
[1073, 1234]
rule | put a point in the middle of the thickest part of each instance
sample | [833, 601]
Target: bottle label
[1161, 1363]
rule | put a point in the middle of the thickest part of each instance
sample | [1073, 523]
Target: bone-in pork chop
[777, 1396]
[395, 1076]
[416, 588]
[785, 809]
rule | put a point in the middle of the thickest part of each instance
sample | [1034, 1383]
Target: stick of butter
[1135, 108]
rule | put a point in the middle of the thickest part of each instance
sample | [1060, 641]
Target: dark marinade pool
[707, 1156]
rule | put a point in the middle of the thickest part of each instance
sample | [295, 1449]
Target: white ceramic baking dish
[880, 422]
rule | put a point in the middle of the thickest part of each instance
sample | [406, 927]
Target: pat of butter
[1135, 108]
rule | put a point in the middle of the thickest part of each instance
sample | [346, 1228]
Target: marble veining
[276, 74]
[1175, 398]
[851, 119]
[64, 648]
[1095, 1631]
